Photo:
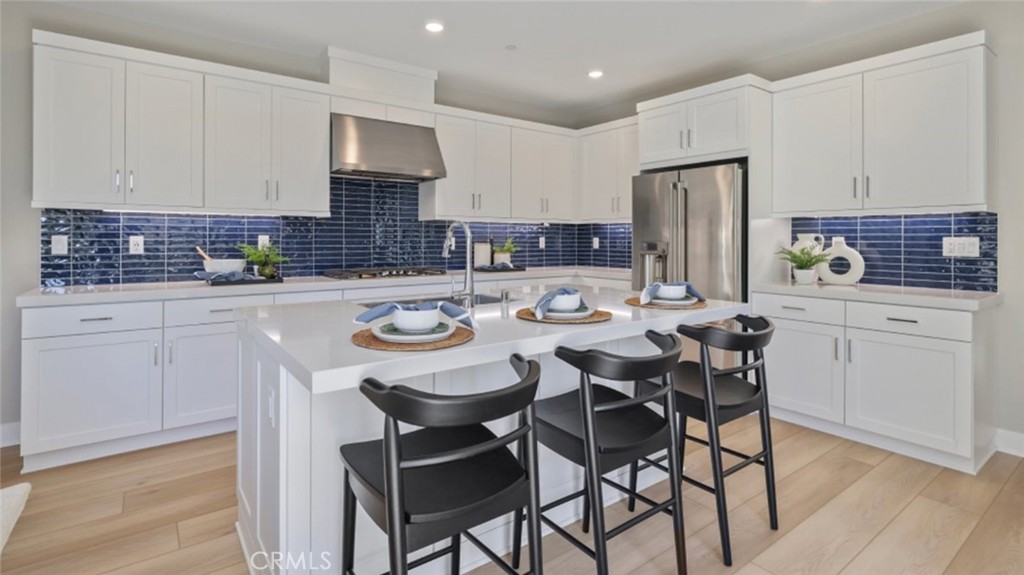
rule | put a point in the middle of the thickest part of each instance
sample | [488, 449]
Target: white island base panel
[289, 469]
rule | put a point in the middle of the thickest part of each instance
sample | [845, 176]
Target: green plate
[390, 329]
[583, 307]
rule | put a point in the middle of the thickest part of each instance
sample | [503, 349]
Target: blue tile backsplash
[372, 224]
[907, 250]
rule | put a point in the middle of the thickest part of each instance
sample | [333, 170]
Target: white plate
[401, 337]
[675, 302]
[589, 311]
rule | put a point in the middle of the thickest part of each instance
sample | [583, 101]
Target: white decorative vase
[502, 257]
[839, 250]
[805, 277]
[814, 241]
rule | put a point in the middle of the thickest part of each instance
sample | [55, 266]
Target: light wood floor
[844, 509]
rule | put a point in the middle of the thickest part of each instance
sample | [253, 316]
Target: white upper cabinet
[493, 170]
[238, 143]
[477, 159]
[608, 162]
[629, 166]
[924, 132]
[817, 147]
[543, 175]
[164, 136]
[710, 125]
[301, 153]
[560, 177]
[78, 136]
[456, 192]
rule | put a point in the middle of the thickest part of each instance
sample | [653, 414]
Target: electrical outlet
[949, 247]
[136, 245]
[262, 241]
[961, 247]
[596, 242]
[971, 247]
[541, 243]
[59, 245]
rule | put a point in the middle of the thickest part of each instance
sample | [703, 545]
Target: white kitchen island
[299, 401]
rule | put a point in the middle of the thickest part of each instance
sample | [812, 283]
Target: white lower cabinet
[84, 389]
[805, 371]
[200, 374]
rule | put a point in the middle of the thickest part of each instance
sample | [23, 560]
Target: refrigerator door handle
[681, 233]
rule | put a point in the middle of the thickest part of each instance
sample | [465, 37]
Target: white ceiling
[644, 48]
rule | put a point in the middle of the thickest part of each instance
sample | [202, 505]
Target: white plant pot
[816, 242]
[805, 277]
[502, 257]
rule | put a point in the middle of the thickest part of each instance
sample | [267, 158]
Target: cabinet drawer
[799, 308]
[74, 320]
[210, 310]
[926, 322]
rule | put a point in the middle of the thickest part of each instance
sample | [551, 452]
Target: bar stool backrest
[620, 368]
[758, 337]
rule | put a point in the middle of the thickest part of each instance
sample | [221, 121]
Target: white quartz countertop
[908, 296]
[313, 341]
[122, 293]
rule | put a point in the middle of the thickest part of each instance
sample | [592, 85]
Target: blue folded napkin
[447, 308]
[225, 276]
[651, 291]
[544, 302]
[495, 267]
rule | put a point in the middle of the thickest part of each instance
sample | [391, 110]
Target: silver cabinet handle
[901, 320]
[479, 201]
[867, 186]
[835, 347]
[682, 139]
[849, 351]
[266, 189]
[222, 310]
[855, 187]
[117, 181]
[170, 352]
[689, 138]
[156, 354]
[794, 308]
[105, 318]
[474, 200]
[131, 181]
[542, 205]
[277, 190]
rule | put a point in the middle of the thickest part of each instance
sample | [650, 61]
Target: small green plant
[509, 247]
[804, 259]
[265, 258]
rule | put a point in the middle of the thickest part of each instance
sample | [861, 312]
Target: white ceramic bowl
[223, 266]
[569, 302]
[672, 292]
[416, 320]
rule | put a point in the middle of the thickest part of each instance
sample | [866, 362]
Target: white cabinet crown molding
[742, 81]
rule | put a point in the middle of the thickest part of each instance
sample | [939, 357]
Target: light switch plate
[262, 241]
[136, 245]
[59, 245]
[971, 247]
[597, 243]
[541, 242]
[961, 247]
[949, 247]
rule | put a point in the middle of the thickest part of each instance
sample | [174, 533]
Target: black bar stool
[603, 429]
[718, 396]
[453, 474]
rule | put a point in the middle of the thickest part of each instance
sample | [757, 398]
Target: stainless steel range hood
[375, 148]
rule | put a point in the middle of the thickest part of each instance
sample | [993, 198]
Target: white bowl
[569, 302]
[416, 320]
[672, 292]
[223, 266]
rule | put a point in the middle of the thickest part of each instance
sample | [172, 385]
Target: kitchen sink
[478, 299]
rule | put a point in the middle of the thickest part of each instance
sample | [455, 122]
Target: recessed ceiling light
[595, 74]
[434, 27]
[511, 47]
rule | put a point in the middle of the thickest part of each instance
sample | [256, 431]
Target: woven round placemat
[365, 338]
[635, 302]
[597, 317]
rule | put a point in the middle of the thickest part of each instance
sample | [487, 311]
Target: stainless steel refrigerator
[690, 225]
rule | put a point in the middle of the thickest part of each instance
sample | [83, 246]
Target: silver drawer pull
[901, 320]
[108, 318]
[794, 308]
[222, 310]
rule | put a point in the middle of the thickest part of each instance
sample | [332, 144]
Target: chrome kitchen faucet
[468, 292]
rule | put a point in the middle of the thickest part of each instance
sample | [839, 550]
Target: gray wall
[19, 233]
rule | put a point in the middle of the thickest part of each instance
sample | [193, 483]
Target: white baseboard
[10, 434]
[1011, 442]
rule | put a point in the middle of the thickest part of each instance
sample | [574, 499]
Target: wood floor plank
[67, 516]
[921, 540]
[207, 526]
[828, 540]
[198, 559]
[174, 489]
[103, 557]
[973, 493]
[239, 568]
[996, 546]
[752, 569]
[862, 452]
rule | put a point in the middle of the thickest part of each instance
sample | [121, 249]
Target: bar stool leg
[769, 457]
[348, 528]
[675, 461]
[517, 538]
[586, 505]
[456, 554]
[593, 471]
[533, 511]
[716, 468]
[633, 467]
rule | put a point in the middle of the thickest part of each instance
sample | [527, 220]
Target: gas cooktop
[365, 273]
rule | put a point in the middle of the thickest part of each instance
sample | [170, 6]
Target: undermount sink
[478, 299]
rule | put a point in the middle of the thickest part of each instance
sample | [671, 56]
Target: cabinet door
[817, 156]
[78, 128]
[805, 368]
[88, 388]
[924, 132]
[662, 134]
[238, 144]
[559, 177]
[600, 185]
[528, 160]
[629, 166]
[164, 136]
[301, 164]
[717, 123]
[456, 191]
[917, 389]
[493, 173]
[200, 374]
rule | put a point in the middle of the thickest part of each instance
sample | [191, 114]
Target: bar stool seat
[734, 395]
[439, 492]
[628, 431]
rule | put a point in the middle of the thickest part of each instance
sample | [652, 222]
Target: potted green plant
[503, 253]
[803, 261]
[265, 259]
